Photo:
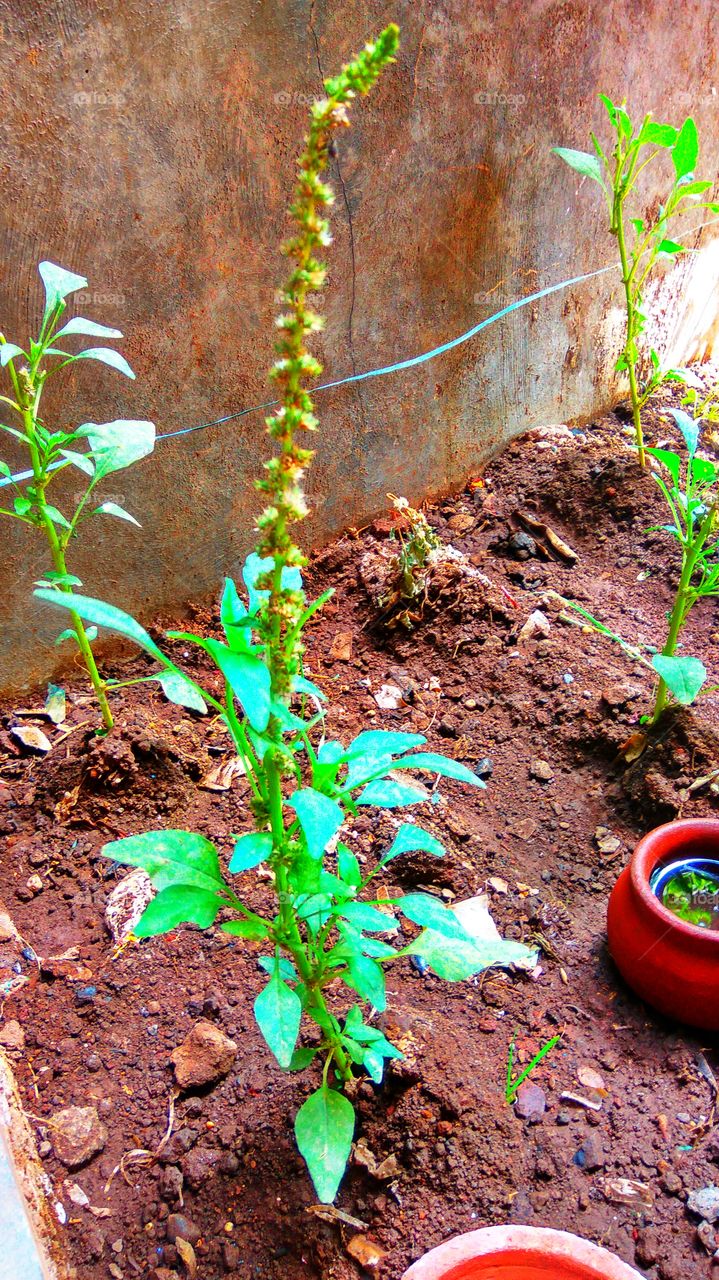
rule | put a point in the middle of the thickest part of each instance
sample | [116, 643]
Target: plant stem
[676, 620]
[58, 557]
[630, 342]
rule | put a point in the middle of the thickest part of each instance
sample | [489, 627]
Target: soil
[549, 718]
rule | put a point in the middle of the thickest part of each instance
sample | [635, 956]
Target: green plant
[513, 1086]
[323, 929]
[112, 446]
[401, 603]
[642, 241]
[705, 408]
[691, 492]
[694, 897]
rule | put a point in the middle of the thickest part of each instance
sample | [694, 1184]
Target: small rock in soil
[705, 1203]
[531, 1102]
[12, 1035]
[366, 1252]
[169, 1184]
[521, 546]
[541, 770]
[77, 1134]
[205, 1056]
[182, 1228]
[591, 1154]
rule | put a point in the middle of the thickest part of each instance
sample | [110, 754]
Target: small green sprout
[643, 241]
[513, 1086]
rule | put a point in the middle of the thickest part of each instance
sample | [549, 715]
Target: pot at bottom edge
[519, 1253]
[672, 965]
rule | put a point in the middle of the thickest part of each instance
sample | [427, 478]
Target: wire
[370, 373]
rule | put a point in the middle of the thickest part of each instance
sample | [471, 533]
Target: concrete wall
[149, 145]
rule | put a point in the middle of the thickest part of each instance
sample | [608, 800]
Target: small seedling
[513, 1086]
[402, 602]
[327, 930]
[643, 241]
[112, 446]
[691, 491]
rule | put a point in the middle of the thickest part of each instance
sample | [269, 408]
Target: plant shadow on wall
[328, 926]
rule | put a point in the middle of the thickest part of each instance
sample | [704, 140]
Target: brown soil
[571, 700]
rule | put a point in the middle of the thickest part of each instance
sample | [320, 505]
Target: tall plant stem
[676, 621]
[629, 348]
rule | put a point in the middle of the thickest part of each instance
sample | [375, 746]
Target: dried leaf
[498, 884]
[187, 1253]
[31, 737]
[627, 1191]
[329, 1213]
[634, 746]
[77, 1195]
[220, 775]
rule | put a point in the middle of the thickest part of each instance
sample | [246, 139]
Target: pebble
[484, 768]
[705, 1203]
[12, 1035]
[531, 1102]
[542, 770]
[205, 1056]
[85, 995]
[77, 1134]
[180, 1227]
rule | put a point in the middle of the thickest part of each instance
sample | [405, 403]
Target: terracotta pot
[519, 1253]
[672, 965]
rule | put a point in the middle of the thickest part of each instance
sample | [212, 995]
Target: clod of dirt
[205, 1056]
[77, 1134]
[531, 1102]
[181, 1228]
[127, 902]
[705, 1203]
[12, 1035]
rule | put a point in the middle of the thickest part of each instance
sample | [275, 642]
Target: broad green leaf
[287, 969]
[369, 918]
[88, 328]
[118, 444]
[387, 794]
[315, 909]
[8, 351]
[170, 858]
[695, 188]
[582, 162]
[22, 506]
[320, 818]
[683, 677]
[331, 752]
[233, 614]
[79, 460]
[374, 1065]
[685, 151]
[305, 873]
[178, 904]
[367, 979]
[301, 684]
[58, 283]
[178, 689]
[376, 948]
[112, 509]
[443, 765]
[103, 615]
[703, 471]
[659, 135]
[348, 867]
[668, 460]
[384, 742]
[454, 960]
[429, 911]
[410, 839]
[324, 1128]
[669, 248]
[249, 680]
[250, 851]
[302, 1058]
[57, 517]
[278, 1011]
[254, 929]
[689, 429]
[105, 355]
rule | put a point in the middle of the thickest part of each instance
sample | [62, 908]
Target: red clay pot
[672, 965]
[519, 1253]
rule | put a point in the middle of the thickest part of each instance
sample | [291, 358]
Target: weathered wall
[149, 145]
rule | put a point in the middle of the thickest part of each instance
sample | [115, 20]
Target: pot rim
[544, 1242]
[650, 850]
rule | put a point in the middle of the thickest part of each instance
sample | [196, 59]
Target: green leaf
[683, 677]
[659, 135]
[689, 429]
[232, 614]
[695, 188]
[22, 506]
[88, 328]
[254, 929]
[410, 839]
[348, 867]
[170, 858]
[118, 444]
[105, 355]
[387, 794]
[455, 960]
[320, 818]
[176, 905]
[668, 248]
[178, 689]
[58, 283]
[112, 509]
[374, 1065]
[302, 1058]
[703, 471]
[8, 352]
[103, 615]
[287, 969]
[250, 851]
[669, 460]
[254, 568]
[685, 151]
[57, 517]
[324, 1128]
[367, 979]
[315, 909]
[79, 460]
[383, 742]
[278, 1011]
[582, 162]
[443, 765]
[249, 680]
[376, 948]
[301, 684]
[429, 911]
[53, 579]
[364, 916]
[70, 634]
